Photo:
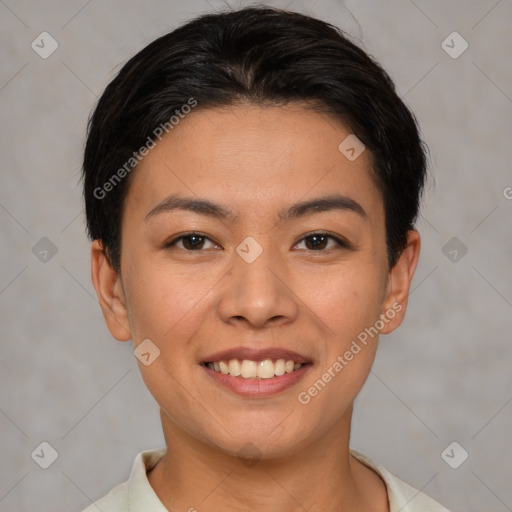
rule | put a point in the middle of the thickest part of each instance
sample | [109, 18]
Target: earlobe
[107, 283]
[399, 283]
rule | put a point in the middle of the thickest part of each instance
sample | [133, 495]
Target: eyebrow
[323, 204]
[206, 207]
[201, 206]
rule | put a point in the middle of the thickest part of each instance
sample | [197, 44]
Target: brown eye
[192, 242]
[321, 241]
[316, 242]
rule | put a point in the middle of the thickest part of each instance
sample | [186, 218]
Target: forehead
[248, 156]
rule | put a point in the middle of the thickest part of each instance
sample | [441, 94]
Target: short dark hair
[263, 56]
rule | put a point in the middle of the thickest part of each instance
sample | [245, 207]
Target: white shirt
[137, 495]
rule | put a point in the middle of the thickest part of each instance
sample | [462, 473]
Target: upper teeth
[248, 369]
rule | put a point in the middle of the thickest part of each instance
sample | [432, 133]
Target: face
[251, 244]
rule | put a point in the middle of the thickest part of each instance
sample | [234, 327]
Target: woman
[251, 183]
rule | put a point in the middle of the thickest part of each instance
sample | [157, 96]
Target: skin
[255, 161]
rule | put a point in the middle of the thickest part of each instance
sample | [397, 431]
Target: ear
[399, 284]
[109, 289]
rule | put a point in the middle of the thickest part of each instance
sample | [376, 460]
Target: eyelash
[340, 242]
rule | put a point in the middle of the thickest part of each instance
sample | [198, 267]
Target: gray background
[444, 376]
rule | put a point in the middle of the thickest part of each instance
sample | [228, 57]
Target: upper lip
[255, 355]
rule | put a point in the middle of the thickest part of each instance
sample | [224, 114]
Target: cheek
[347, 300]
[349, 306]
[349, 303]
[163, 300]
[166, 306]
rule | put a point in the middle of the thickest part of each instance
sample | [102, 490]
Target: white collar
[401, 496]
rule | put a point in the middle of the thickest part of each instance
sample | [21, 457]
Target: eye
[192, 242]
[321, 241]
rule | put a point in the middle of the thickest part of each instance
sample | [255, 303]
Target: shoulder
[402, 496]
[136, 493]
[115, 501]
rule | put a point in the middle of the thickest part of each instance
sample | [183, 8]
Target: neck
[319, 476]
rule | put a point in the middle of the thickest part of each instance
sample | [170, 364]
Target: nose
[258, 294]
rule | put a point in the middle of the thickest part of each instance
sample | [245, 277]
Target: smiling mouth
[249, 369]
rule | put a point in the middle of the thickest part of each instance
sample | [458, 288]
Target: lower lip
[258, 388]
